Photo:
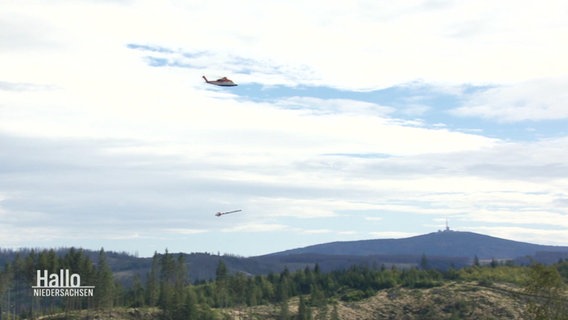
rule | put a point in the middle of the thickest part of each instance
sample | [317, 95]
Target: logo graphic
[62, 284]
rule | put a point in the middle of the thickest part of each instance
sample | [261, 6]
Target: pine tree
[104, 296]
[137, 293]
[253, 292]
[424, 262]
[304, 311]
[221, 272]
[284, 311]
[190, 310]
[180, 289]
[152, 282]
[476, 261]
[221, 286]
[167, 279]
[317, 296]
[283, 294]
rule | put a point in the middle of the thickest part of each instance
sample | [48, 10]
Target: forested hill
[444, 244]
[442, 250]
[494, 291]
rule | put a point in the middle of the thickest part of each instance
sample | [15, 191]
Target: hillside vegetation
[452, 300]
[494, 291]
[449, 301]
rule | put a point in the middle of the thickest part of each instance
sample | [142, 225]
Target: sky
[351, 120]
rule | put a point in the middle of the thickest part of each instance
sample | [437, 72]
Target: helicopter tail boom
[218, 214]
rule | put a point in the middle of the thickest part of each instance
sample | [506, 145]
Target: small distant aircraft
[223, 82]
[218, 214]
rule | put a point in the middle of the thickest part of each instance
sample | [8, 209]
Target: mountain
[442, 250]
[437, 244]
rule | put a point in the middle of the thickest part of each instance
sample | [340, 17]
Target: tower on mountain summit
[447, 227]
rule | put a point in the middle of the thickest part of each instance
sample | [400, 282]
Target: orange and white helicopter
[223, 82]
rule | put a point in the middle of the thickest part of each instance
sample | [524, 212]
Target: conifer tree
[152, 282]
[304, 311]
[476, 261]
[317, 296]
[424, 262]
[221, 272]
[190, 310]
[284, 310]
[180, 288]
[167, 279]
[221, 286]
[137, 298]
[104, 295]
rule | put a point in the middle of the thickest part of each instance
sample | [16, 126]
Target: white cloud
[521, 216]
[185, 231]
[113, 138]
[526, 234]
[256, 227]
[316, 231]
[382, 44]
[541, 99]
[333, 106]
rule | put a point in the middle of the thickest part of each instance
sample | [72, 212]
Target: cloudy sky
[352, 120]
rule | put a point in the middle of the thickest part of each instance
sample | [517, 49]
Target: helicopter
[218, 214]
[223, 82]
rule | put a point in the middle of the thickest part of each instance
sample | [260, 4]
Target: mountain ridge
[446, 243]
[442, 250]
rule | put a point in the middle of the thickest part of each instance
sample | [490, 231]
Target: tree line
[166, 286]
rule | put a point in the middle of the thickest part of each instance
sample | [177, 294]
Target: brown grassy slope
[450, 301]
